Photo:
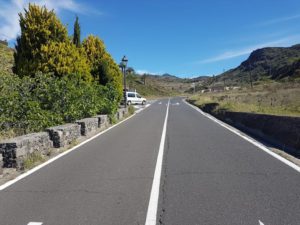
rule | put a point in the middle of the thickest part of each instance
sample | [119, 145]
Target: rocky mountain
[275, 63]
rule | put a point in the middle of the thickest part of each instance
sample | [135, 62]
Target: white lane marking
[153, 202]
[141, 108]
[247, 138]
[260, 223]
[22, 176]
[177, 103]
[35, 223]
[159, 103]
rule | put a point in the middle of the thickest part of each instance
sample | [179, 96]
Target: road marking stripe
[260, 223]
[35, 223]
[29, 172]
[153, 202]
[139, 109]
[247, 138]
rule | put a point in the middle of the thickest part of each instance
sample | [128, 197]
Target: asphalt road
[214, 177]
[209, 176]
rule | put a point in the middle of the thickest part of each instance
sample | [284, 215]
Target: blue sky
[184, 38]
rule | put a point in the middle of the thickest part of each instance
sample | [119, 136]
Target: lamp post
[123, 65]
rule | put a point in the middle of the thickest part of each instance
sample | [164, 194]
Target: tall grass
[274, 99]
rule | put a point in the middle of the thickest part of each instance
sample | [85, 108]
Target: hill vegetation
[6, 59]
[160, 85]
[268, 82]
[274, 99]
[278, 64]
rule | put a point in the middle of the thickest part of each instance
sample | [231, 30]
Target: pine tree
[76, 36]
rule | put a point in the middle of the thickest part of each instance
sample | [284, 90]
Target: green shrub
[31, 104]
[131, 110]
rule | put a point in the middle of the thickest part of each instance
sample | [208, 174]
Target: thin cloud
[247, 50]
[280, 20]
[9, 25]
[141, 72]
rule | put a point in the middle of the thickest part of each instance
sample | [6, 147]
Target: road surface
[209, 176]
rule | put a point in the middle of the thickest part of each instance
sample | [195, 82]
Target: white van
[135, 98]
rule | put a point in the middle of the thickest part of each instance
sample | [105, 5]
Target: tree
[63, 58]
[95, 50]
[76, 36]
[103, 67]
[39, 27]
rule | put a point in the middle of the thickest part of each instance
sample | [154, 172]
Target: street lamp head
[124, 61]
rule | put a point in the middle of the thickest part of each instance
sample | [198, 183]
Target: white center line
[35, 223]
[260, 223]
[153, 202]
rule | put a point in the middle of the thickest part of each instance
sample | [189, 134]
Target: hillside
[272, 63]
[6, 59]
[161, 85]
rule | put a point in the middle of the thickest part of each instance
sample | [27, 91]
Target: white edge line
[35, 223]
[29, 172]
[260, 223]
[154, 196]
[252, 141]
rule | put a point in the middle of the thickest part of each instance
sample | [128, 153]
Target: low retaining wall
[1, 164]
[120, 114]
[282, 131]
[103, 121]
[15, 150]
[64, 135]
[88, 125]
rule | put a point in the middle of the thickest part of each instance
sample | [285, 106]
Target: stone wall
[88, 125]
[64, 135]
[15, 150]
[282, 131]
[103, 121]
[120, 114]
[1, 164]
